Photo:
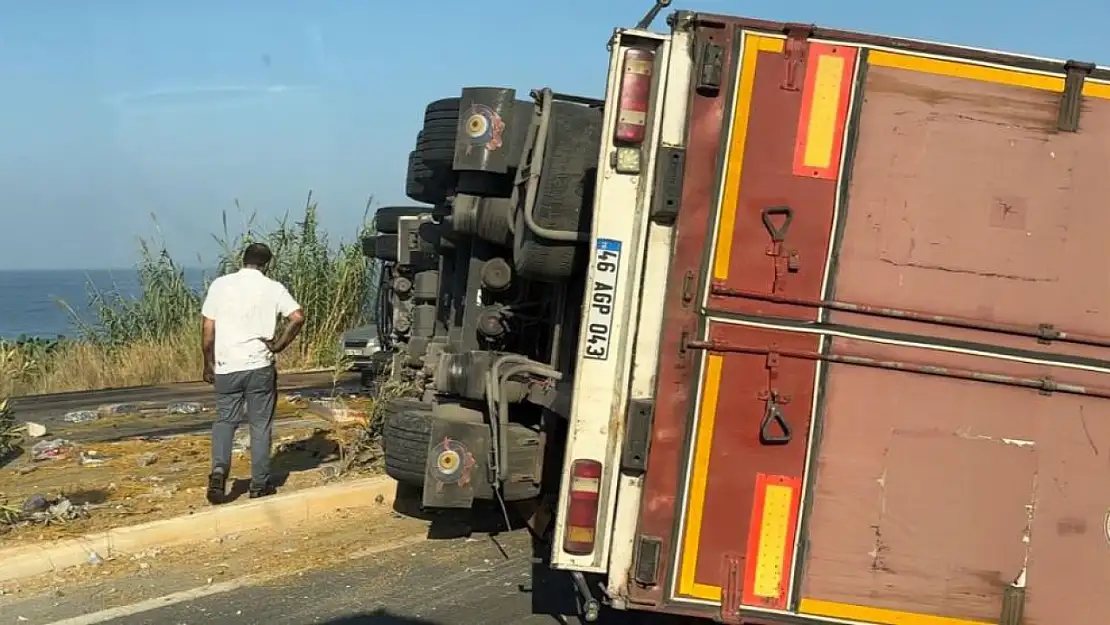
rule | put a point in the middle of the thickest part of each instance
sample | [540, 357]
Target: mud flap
[732, 571]
[457, 455]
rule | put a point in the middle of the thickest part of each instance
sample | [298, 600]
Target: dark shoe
[217, 488]
[262, 491]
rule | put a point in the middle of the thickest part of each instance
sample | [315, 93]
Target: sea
[44, 303]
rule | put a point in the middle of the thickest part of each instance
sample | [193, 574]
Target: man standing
[239, 320]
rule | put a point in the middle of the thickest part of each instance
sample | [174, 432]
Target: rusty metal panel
[934, 495]
[992, 215]
[730, 449]
[775, 228]
[676, 379]
[937, 496]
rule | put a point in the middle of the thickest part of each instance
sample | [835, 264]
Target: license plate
[358, 352]
[603, 294]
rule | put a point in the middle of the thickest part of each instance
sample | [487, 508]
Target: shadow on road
[303, 455]
[91, 496]
[380, 616]
[11, 456]
[486, 517]
[292, 457]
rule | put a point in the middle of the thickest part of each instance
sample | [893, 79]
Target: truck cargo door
[719, 518]
[883, 397]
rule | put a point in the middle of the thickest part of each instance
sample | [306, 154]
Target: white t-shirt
[245, 306]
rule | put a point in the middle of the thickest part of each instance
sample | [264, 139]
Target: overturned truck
[798, 325]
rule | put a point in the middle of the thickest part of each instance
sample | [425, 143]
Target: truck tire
[417, 180]
[406, 429]
[385, 247]
[431, 185]
[446, 108]
[435, 143]
[439, 129]
[387, 218]
[436, 151]
[564, 198]
[405, 435]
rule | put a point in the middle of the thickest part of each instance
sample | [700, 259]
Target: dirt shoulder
[250, 557]
[92, 487]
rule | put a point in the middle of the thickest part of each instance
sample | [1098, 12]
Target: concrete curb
[278, 511]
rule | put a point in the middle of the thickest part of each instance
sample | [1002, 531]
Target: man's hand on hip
[275, 346]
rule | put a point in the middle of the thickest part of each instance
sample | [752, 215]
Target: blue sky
[116, 109]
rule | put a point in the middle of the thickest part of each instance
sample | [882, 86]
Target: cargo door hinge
[1013, 606]
[711, 64]
[689, 281]
[670, 168]
[795, 49]
[1046, 333]
[1075, 75]
[637, 438]
[732, 589]
[648, 552]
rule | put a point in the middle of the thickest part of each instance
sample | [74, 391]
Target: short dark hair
[257, 255]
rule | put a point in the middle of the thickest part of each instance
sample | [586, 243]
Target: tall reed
[152, 335]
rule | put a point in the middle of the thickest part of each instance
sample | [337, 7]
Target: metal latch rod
[1043, 332]
[1043, 385]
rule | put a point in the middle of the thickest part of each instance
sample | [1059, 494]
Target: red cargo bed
[886, 399]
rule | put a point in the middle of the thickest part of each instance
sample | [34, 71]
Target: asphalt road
[49, 410]
[444, 582]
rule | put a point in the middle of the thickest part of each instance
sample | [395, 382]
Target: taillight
[581, 524]
[635, 95]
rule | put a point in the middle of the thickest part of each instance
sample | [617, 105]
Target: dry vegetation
[153, 337]
[9, 434]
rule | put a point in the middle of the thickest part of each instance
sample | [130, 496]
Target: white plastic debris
[80, 416]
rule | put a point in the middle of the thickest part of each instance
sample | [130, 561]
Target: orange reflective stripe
[830, 70]
[770, 557]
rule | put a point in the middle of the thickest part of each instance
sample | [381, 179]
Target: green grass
[154, 336]
[9, 436]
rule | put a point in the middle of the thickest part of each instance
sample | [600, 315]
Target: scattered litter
[130, 407]
[50, 449]
[80, 416]
[149, 553]
[35, 503]
[185, 407]
[297, 396]
[92, 458]
[39, 509]
[95, 559]
[24, 470]
[146, 459]
[35, 430]
[163, 492]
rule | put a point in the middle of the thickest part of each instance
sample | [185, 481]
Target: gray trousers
[253, 394]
